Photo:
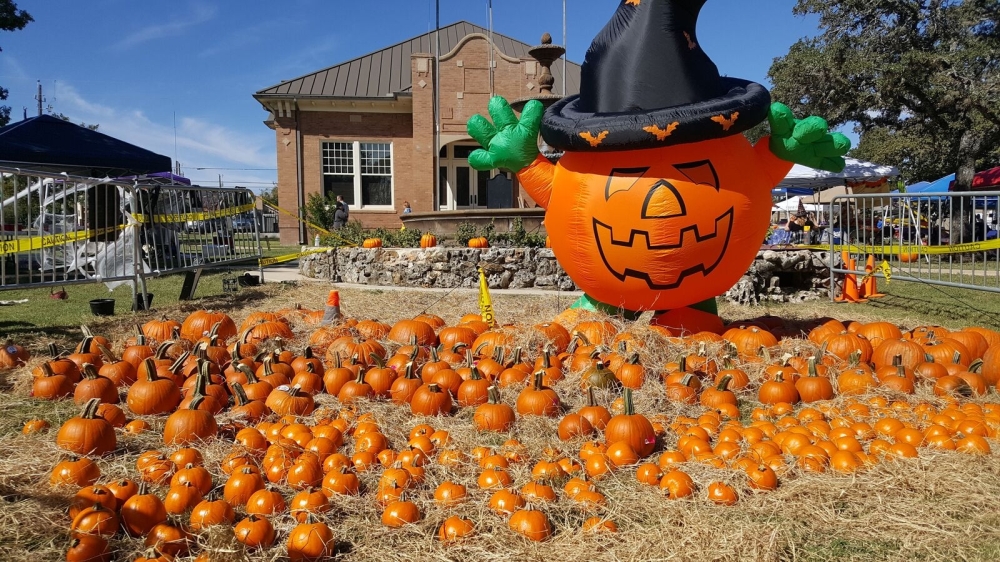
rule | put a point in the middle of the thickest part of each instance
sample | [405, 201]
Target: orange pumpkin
[657, 228]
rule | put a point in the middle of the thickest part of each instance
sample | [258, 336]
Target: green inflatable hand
[806, 141]
[509, 143]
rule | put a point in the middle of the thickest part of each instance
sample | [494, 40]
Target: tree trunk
[963, 210]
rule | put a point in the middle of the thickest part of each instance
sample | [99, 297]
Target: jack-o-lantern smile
[626, 251]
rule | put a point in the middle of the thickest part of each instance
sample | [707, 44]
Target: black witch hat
[646, 83]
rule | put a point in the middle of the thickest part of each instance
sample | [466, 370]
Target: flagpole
[566, 54]
[489, 8]
[437, 103]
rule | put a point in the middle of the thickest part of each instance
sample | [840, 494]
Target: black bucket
[142, 302]
[248, 280]
[102, 307]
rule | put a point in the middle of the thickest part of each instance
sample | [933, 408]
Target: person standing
[341, 213]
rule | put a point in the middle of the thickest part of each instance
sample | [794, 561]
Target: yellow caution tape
[897, 250]
[19, 245]
[199, 216]
[264, 262]
[309, 224]
[886, 271]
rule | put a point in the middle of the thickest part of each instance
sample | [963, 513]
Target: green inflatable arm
[508, 143]
[806, 141]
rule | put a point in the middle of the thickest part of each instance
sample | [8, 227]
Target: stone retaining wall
[776, 276]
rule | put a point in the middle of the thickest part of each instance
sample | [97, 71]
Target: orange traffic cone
[869, 289]
[332, 313]
[850, 293]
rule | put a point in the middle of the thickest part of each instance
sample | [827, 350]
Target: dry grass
[941, 506]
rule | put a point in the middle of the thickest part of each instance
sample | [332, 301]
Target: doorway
[461, 187]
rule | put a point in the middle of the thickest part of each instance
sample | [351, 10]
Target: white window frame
[356, 154]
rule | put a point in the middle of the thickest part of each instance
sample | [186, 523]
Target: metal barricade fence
[58, 229]
[948, 239]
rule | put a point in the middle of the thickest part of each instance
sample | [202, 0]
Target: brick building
[364, 128]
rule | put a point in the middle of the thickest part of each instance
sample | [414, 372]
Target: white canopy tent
[855, 171]
[792, 205]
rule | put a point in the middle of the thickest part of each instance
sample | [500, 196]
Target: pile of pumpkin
[289, 457]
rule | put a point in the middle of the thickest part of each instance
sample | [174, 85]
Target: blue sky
[137, 68]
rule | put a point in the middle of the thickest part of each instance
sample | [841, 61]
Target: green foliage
[27, 208]
[270, 196]
[319, 210]
[92, 127]
[518, 237]
[918, 80]
[464, 232]
[11, 19]
[352, 234]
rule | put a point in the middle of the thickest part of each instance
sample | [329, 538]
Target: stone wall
[505, 268]
[775, 276]
[784, 276]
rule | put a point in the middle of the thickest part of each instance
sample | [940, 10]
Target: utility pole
[39, 98]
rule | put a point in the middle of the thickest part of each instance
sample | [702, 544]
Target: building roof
[386, 73]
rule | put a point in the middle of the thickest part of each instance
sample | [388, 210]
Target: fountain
[545, 54]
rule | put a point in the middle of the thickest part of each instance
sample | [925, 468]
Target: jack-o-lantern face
[662, 228]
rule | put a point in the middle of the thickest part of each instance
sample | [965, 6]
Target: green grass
[943, 303]
[42, 315]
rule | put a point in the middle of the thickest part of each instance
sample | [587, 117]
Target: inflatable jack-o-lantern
[659, 201]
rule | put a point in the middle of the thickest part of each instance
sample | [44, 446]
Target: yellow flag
[485, 302]
[886, 270]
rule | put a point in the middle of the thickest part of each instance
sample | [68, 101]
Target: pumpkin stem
[702, 350]
[89, 371]
[474, 374]
[537, 382]
[408, 371]
[414, 353]
[956, 357]
[724, 383]
[337, 364]
[591, 400]
[633, 359]
[161, 350]
[928, 358]
[498, 354]
[241, 395]
[686, 381]
[361, 377]
[149, 366]
[176, 367]
[460, 345]
[682, 364]
[900, 371]
[434, 355]
[307, 353]
[378, 360]
[897, 360]
[493, 394]
[546, 358]
[107, 354]
[90, 409]
[46, 369]
[812, 372]
[627, 397]
[779, 376]
[195, 402]
[86, 331]
[434, 388]
[53, 350]
[583, 339]
[976, 366]
[469, 360]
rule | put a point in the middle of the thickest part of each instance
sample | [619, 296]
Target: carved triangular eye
[622, 179]
[702, 172]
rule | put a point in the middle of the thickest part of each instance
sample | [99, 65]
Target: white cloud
[238, 39]
[200, 143]
[11, 69]
[200, 14]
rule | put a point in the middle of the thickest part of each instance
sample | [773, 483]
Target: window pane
[443, 188]
[376, 190]
[443, 153]
[462, 184]
[338, 158]
[339, 185]
[463, 151]
[375, 159]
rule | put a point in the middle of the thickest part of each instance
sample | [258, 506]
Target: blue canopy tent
[919, 187]
[49, 144]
